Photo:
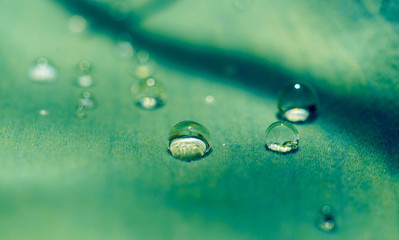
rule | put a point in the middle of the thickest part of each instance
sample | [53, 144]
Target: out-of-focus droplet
[145, 68]
[44, 112]
[85, 78]
[84, 66]
[209, 99]
[143, 56]
[43, 71]
[282, 137]
[189, 141]
[77, 24]
[326, 220]
[87, 100]
[144, 71]
[149, 93]
[80, 111]
[297, 103]
[125, 47]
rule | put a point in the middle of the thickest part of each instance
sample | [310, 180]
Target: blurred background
[80, 160]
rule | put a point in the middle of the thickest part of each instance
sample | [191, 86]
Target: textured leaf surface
[109, 176]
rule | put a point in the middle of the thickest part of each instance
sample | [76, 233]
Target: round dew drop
[282, 137]
[297, 103]
[189, 141]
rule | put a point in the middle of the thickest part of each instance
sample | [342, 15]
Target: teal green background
[109, 176]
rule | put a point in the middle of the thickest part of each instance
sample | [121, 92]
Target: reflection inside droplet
[189, 141]
[43, 71]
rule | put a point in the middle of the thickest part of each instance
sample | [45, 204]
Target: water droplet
[282, 137]
[149, 93]
[84, 66]
[125, 46]
[77, 24]
[297, 103]
[43, 71]
[146, 68]
[87, 100]
[44, 112]
[326, 221]
[85, 81]
[85, 78]
[243, 4]
[209, 99]
[189, 141]
[80, 111]
[143, 56]
[325, 210]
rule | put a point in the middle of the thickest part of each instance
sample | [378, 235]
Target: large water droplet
[149, 93]
[189, 141]
[297, 103]
[43, 71]
[282, 137]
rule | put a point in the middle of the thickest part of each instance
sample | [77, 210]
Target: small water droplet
[149, 93]
[77, 24]
[43, 71]
[209, 99]
[87, 100]
[125, 47]
[80, 111]
[85, 81]
[85, 78]
[297, 103]
[143, 56]
[145, 68]
[84, 66]
[326, 220]
[282, 137]
[44, 112]
[189, 141]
